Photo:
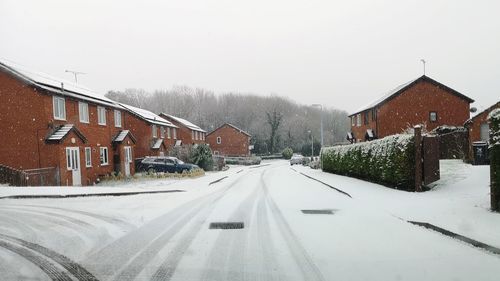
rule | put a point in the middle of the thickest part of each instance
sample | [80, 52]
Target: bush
[494, 118]
[287, 153]
[389, 161]
[201, 155]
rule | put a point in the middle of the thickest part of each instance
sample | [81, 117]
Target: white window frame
[118, 118]
[83, 112]
[353, 120]
[358, 120]
[192, 134]
[68, 159]
[154, 131]
[168, 132]
[162, 132]
[101, 115]
[175, 133]
[219, 140]
[103, 155]
[435, 119]
[57, 108]
[88, 157]
[196, 135]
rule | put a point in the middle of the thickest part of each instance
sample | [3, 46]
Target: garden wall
[389, 161]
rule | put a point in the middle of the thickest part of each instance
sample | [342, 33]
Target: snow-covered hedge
[494, 119]
[389, 161]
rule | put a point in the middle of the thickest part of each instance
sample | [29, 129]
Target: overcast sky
[341, 54]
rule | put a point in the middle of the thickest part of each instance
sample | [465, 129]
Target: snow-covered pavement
[167, 236]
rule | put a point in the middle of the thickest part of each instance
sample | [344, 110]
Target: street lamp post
[321, 115]
[312, 143]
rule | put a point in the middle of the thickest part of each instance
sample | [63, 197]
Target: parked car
[164, 164]
[296, 159]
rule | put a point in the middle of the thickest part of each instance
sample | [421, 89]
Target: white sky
[342, 54]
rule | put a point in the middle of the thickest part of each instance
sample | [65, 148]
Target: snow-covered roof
[148, 116]
[120, 137]
[157, 144]
[61, 132]
[233, 126]
[55, 85]
[394, 92]
[184, 122]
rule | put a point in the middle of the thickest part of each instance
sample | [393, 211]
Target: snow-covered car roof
[148, 116]
[185, 123]
[55, 85]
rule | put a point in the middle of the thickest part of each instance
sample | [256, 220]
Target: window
[196, 135]
[219, 140]
[433, 116]
[155, 133]
[485, 132]
[366, 115]
[374, 114]
[68, 159]
[358, 120]
[118, 118]
[192, 134]
[101, 115]
[88, 157]
[353, 121]
[103, 155]
[59, 108]
[168, 132]
[202, 136]
[162, 132]
[175, 133]
[83, 112]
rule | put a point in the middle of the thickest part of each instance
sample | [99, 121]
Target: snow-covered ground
[167, 236]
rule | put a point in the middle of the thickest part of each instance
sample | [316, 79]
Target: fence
[32, 177]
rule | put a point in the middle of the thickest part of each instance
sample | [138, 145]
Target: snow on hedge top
[380, 147]
[185, 123]
[55, 85]
[148, 116]
[494, 114]
[494, 117]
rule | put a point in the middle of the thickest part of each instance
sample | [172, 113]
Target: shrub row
[389, 161]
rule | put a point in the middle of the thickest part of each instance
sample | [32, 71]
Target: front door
[73, 158]
[127, 159]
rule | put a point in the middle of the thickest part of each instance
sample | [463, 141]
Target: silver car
[296, 159]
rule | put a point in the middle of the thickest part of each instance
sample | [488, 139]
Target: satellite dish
[473, 109]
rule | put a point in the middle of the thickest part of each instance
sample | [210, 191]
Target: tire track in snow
[309, 270]
[23, 227]
[74, 268]
[49, 268]
[230, 246]
[112, 258]
[108, 219]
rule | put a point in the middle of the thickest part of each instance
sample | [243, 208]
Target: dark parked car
[164, 164]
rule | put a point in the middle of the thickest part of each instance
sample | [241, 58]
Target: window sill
[60, 119]
[106, 164]
[101, 124]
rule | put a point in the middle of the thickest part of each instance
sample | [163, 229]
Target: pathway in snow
[167, 236]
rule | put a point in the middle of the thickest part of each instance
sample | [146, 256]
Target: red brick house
[188, 133]
[229, 140]
[47, 122]
[155, 134]
[420, 101]
[478, 128]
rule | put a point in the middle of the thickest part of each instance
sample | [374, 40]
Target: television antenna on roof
[423, 62]
[75, 73]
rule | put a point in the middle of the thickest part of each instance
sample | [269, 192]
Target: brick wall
[413, 107]
[233, 142]
[26, 119]
[474, 127]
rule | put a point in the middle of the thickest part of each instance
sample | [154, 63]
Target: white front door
[73, 164]
[127, 159]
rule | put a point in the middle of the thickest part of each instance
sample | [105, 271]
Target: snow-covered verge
[141, 184]
[459, 202]
[389, 161]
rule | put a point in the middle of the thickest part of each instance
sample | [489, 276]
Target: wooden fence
[32, 177]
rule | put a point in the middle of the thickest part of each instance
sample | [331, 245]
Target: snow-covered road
[167, 236]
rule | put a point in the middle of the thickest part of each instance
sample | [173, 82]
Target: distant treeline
[274, 122]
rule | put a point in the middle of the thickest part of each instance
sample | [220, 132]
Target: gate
[430, 157]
